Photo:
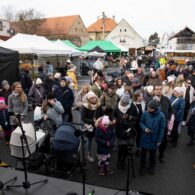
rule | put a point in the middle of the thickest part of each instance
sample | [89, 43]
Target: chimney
[113, 17]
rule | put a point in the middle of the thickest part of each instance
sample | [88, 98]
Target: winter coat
[26, 81]
[192, 93]
[178, 108]
[66, 97]
[102, 139]
[48, 85]
[42, 76]
[124, 124]
[191, 123]
[156, 123]
[154, 81]
[79, 99]
[192, 79]
[37, 95]
[55, 113]
[97, 90]
[88, 115]
[16, 106]
[5, 94]
[165, 107]
[109, 101]
[5, 119]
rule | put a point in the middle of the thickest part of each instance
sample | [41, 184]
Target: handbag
[89, 127]
[37, 113]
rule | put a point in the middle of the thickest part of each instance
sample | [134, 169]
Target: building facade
[4, 29]
[66, 28]
[124, 36]
[183, 40]
[101, 28]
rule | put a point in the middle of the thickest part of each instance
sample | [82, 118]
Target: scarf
[102, 127]
[15, 94]
[124, 109]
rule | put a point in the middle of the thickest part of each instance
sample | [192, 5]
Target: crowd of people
[146, 106]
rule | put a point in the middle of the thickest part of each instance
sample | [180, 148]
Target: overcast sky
[145, 16]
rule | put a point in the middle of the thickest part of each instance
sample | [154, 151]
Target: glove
[158, 144]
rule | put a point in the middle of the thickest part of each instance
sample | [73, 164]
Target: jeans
[89, 144]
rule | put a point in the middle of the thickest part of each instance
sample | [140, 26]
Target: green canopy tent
[106, 46]
[67, 42]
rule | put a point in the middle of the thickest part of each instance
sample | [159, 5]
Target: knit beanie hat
[4, 82]
[90, 95]
[38, 81]
[57, 75]
[178, 89]
[105, 120]
[2, 100]
[149, 89]
[153, 104]
[125, 98]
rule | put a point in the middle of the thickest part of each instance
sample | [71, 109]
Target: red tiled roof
[97, 26]
[62, 24]
[55, 25]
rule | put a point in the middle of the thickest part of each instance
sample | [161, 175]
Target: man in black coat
[166, 108]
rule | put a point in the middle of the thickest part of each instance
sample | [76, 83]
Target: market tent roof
[106, 46]
[175, 51]
[33, 44]
[97, 49]
[9, 61]
[71, 50]
[69, 43]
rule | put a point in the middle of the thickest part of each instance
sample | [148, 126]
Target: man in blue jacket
[66, 97]
[153, 125]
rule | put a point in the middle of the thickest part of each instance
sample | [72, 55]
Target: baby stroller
[65, 151]
[35, 139]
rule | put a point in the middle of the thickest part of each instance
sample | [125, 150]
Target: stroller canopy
[64, 138]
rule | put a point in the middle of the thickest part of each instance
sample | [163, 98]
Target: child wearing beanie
[5, 120]
[105, 140]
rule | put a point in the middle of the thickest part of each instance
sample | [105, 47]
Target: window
[125, 30]
[1, 26]
[120, 30]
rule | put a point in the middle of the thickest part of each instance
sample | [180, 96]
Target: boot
[101, 170]
[161, 158]
[108, 170]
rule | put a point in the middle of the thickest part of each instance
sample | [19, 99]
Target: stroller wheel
[50, 166]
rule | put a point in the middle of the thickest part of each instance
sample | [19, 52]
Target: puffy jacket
[156, 123]
[178, 108]
[102, 138]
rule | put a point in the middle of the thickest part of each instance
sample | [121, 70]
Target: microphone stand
[130, 162]
[26, 184]
[83, 166]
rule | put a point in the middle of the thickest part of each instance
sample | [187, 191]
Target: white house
[125, 37]
[183, 40]
[4, 29]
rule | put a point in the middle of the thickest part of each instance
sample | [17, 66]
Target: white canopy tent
[71, 50]
[33, 44]
[96, 54]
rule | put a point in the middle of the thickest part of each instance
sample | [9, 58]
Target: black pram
[65, 148]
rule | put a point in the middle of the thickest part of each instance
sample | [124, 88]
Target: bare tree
[7, 13]
[29, 21]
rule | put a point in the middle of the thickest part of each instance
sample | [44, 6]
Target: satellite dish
[11, 31]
